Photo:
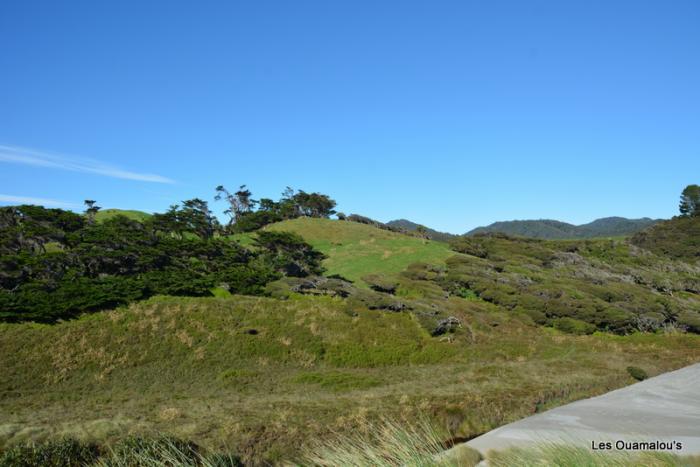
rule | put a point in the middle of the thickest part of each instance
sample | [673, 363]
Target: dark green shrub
[573, 326]
[120, 260]
[469, 246]
[536, 315]
[499, 294]
[288, 253]
[422, 272]
[529, 301]
[637, 373]
[254, 220]
[377, 301]
[380, 283]
[62, 453]
[690, 320]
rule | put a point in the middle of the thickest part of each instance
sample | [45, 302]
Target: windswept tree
[690, 201]
[240, 203]
[287, 207]
[268, 205]
[168, 222]
[91, 210]
[289, 254]
[198, 218]
[247, 214]
[193, 217]
[313, 204]
[29, 228]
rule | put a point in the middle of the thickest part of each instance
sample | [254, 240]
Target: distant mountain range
[551, 229]
[430, 233]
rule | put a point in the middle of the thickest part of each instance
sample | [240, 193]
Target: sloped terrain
[355, 249]
[579, 286]
[264, 377]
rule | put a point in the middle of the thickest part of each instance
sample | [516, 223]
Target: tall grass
[558, 455]
[163, 451]
[131, 452]
[387, 443]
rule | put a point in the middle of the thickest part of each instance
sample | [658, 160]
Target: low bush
[380, 283]
[637, 373]
[573, 326]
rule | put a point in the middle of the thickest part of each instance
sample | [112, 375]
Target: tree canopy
[690, 201]
[247, 214]
[55, 264]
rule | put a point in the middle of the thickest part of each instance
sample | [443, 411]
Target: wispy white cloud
[26, 156]
[12, 199]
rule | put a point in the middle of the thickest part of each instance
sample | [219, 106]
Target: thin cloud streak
[17, 155]
[12, 199]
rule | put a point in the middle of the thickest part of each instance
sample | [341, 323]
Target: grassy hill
[105, 214]
[267, 377]
[551, 229]
[355, 249]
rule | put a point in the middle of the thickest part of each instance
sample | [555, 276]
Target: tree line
[55, 264]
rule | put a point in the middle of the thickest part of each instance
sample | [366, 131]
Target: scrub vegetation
[260, 347]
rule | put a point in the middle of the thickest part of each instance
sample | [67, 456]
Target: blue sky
[453, 114]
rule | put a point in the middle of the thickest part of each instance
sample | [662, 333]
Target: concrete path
[665, 408]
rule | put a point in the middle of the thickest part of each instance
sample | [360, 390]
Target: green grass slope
[355, 249]
[105, 214]
[265, 377]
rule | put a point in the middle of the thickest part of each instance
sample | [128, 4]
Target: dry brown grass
[312, 369]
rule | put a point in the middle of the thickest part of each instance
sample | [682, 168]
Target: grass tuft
[387, 443]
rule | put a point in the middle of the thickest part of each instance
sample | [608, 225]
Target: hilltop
[432, 234]
[354, 249]
[552, 229]
[105, 214]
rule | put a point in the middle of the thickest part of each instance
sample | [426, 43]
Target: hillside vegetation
[56, 264]
[551, 229]
[581, 285]
[678, 238]
[273, 339]
[263, 377]
[354, 250]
